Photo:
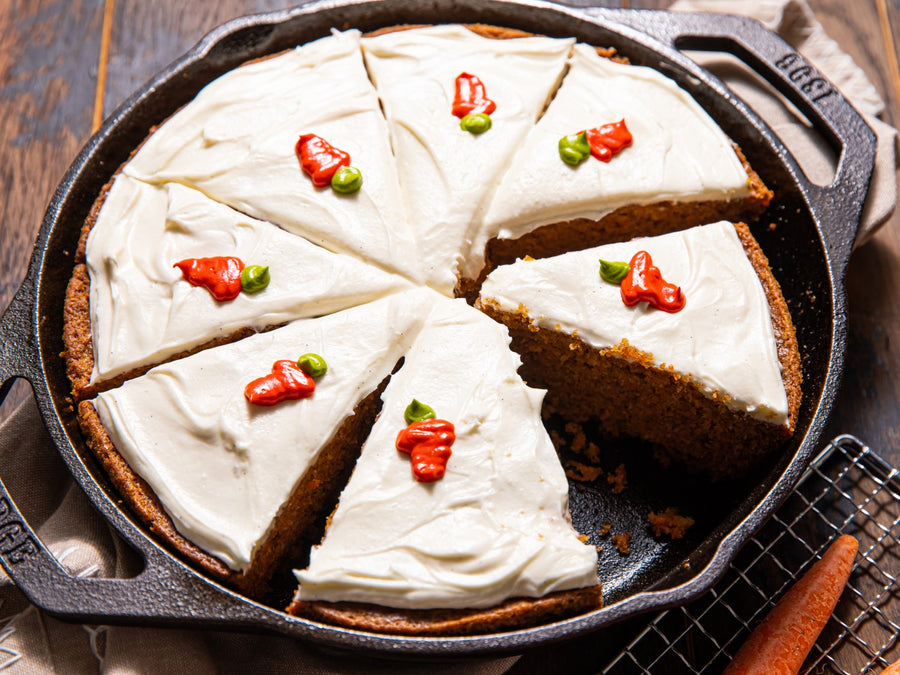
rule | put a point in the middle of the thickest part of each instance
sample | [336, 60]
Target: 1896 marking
[809, 81]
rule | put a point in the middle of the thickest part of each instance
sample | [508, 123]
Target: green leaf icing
[613, 272]
[346, 180]
[476, 123]
[254, 278]
[313, 365]
[574, 148]
[417, 412]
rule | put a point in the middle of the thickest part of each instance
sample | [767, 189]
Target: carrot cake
[491, 529]
[337, 195]
[710, 373]
[237, 141]
[239, 480]
[143, 311]
[451, 163]
[674, 169]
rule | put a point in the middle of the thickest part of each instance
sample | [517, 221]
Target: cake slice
[231, 484]
[448, 173]
[144, 311]
[679, 169]
[715, 384]
[489, 546]
[237, 141]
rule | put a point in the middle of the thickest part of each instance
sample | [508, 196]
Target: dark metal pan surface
[808, 249]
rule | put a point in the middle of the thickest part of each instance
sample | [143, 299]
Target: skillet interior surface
[793, 243]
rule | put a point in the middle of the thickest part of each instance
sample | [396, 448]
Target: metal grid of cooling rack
[848, 489]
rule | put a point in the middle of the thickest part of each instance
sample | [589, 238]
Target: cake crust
[318, 490]
[296, 521]
[510, 615]
[627, 222]
[613, 385]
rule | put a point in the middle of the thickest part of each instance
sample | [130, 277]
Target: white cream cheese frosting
[221, 466]
[448, 174]
[235, 141]
[495, 526]
[142, 309]
[723, 337]
[678, 152]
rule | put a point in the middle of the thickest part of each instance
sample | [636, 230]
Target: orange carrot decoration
[221, 275]
[427, 442]
[779, 644]
[287, 381]
[471, 97]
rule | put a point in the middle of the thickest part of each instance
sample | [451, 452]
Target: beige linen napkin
[796, 24]
[32, 642]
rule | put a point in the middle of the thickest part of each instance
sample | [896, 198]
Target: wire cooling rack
[848, 489]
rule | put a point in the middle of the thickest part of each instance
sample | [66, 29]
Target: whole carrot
[893, 669]
[781, 642]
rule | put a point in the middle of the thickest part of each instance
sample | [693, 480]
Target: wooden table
[65, 65]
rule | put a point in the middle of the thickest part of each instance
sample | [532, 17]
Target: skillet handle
[165, 591]
[18, 351]
[837, 207]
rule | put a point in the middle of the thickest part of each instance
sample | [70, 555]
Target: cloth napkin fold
[796, 24]
[32, 642]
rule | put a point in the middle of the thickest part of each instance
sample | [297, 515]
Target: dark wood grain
[48, 60]
[869, 402]
[147, 36]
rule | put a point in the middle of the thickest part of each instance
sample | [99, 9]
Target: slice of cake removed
[679, 170]
[716, 384]
[448, 173]
[237, 142]
[229, 483]
[143, 311]
[489, 546]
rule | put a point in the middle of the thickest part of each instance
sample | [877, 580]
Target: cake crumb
[618, 480]
[583, 538]
[582, 472]
[579, 438]
[669, 522]
[527, 258]
[604, 529]
[622, 542]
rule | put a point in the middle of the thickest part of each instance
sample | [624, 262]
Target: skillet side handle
[164, 592]
[837, 206]
[22, 554]
[146, 598]
[18, 352]
[34, 569]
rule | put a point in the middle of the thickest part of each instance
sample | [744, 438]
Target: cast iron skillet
[808, 248]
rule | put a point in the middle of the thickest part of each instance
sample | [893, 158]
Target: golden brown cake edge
[311, 498]
[556, 361]
[512, 614]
